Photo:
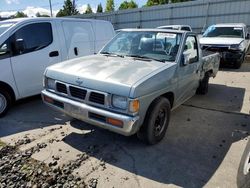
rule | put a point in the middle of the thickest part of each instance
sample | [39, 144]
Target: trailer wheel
[156, 121]
[5, 102]
[203, 87]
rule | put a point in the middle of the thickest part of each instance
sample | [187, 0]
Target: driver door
[188, 74]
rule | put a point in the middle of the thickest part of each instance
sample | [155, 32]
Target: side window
[31, 38]
[191, 49]
[185, 28]
[5, 50]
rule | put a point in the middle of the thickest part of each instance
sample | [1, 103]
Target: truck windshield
[4, 27]
[161, 46]
[233, 32]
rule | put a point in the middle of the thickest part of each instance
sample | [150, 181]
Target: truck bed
[211, 62]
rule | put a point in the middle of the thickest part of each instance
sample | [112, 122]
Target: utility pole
[50, 8]
[74, 4]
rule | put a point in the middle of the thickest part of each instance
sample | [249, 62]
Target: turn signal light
[134, 106]
[115, 122]
[48, 99]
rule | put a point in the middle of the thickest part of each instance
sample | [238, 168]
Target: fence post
[140, 17]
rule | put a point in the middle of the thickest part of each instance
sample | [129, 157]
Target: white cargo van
[29, 45]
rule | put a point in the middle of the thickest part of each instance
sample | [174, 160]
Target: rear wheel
[156, 121]
[203, 87]
[5, 101]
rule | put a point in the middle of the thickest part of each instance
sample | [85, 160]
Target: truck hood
[220, 40]
[114, 75]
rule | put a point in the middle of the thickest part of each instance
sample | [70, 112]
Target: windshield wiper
[112, 54]
[147, 58]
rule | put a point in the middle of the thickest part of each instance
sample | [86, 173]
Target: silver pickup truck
[133, 83]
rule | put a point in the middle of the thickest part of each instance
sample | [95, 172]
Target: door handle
[76, 51]
[54, 54]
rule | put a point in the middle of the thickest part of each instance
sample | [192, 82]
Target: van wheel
[203, 87]
[156, 121]
[243, 176]
[5, 101]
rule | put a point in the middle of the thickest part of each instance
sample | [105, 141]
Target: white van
[29, 45]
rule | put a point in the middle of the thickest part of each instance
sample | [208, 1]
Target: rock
[53, 163]
[93, 183]
[56, 158]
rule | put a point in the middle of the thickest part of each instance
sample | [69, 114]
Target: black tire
[156, 121]
[243, 176]
[5, 102]
[203, 87]
[238, 64]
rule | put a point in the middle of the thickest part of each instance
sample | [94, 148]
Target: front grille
[215, 48]
[61, 88]
[77, 92]
[97, 117]
[97, 98]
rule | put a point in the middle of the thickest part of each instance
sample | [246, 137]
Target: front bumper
[231, 57]
[90, 114]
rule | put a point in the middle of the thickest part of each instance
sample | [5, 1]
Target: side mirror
[3, 49]
[19, 46]
[248, 36]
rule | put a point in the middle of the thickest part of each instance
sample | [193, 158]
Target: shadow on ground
[220, 97]
[244, 67]
[29, 114]
[195, 145]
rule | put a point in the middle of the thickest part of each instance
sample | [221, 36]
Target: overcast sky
[31, 7]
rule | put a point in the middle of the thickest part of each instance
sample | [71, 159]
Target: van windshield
[161, 46]
[232, 32]
[4, 27]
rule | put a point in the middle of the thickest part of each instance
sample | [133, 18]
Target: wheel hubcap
[160, 122]
[3, 103]
[246, 168]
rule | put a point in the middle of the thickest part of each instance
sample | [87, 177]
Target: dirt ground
[203, 145]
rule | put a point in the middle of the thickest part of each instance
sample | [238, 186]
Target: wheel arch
[7, 87]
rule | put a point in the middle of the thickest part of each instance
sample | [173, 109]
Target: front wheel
[238, 64]
[156, 121]
[5, 101]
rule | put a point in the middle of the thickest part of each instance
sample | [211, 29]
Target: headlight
[237, 47]
[50, 83]
[119, 102]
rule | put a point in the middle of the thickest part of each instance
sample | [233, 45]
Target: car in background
[231, 40]
[176, 27]
[29, 45]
